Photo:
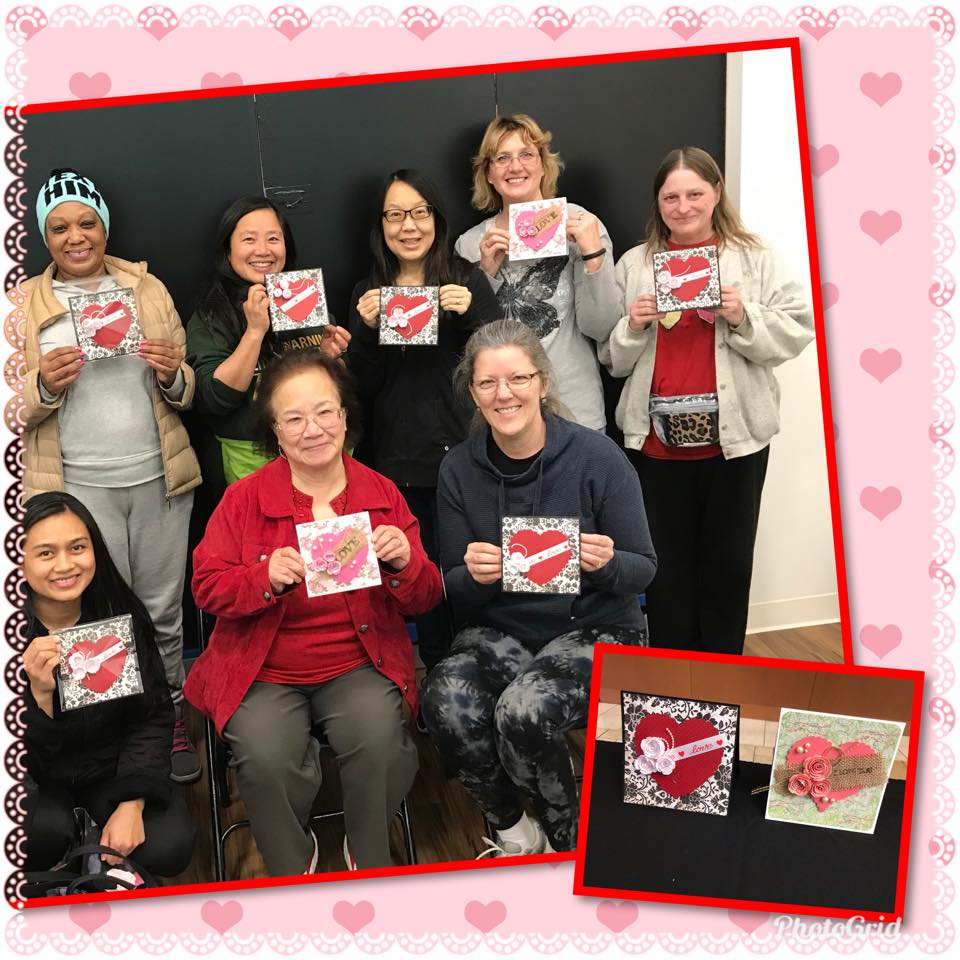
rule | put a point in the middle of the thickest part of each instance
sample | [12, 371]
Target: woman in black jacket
[416, 418]
[111, 758]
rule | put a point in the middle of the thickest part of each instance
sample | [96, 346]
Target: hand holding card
[391, 546]
[60, 367]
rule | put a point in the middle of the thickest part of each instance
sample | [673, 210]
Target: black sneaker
[184, 759]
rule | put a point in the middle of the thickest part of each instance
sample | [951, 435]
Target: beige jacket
[42, 467]
[777, 325]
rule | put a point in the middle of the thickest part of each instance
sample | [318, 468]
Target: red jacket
[230, 581]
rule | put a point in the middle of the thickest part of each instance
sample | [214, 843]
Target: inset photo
[749, 783]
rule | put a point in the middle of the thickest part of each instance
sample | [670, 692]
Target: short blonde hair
[484, 197]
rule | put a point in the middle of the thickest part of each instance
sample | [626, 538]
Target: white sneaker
[315, 856]
[348, 856]
[510, 848]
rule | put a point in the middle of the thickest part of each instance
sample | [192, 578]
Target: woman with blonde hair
[567, 301]
[703, 491]
[518, 673]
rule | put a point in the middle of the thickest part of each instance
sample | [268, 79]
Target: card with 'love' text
[831, 770]
[297, 300]
[678, 753]
[338, 554]
[538, 229]
[107, 323]
[409, 316]
[98, 662]
[687, 279]
[541, 554]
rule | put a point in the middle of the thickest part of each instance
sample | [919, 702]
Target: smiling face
[257, 246]
[512, 410]
[515, 170]
[58, 558]
[686, 203]
[309, 421]
[76, 239]
[408, 240]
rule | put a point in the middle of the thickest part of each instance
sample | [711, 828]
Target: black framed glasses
[419, 212]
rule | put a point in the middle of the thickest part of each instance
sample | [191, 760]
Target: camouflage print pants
[497, 709]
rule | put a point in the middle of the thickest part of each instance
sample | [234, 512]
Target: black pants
[703, 521]
[433, 627]
[50, 827]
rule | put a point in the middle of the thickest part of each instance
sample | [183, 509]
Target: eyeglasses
[516, 382]
[294, 425]
[395, 215]
[526, 157]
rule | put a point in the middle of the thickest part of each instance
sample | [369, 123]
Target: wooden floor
[447, 825]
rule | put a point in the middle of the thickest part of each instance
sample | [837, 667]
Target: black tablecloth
[740, 856]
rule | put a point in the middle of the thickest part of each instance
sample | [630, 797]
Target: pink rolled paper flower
[819, 789]
[817, 768]
[799, 784]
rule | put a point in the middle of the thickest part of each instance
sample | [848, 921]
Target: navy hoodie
[580, 473]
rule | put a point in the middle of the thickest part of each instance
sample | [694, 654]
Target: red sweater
[230, 581]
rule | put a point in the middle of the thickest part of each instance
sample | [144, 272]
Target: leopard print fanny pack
[691, 420]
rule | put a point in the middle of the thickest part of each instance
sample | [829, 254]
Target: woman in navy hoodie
[518, 673]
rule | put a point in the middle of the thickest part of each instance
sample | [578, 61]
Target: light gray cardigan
[777, 325]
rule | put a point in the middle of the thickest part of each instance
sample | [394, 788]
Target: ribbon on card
[667, 282]
[288, 304]
[517, 563]
[91, 324]
[84, 665]
[659, 756]
[402, 318]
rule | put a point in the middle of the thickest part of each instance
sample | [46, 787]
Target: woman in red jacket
[279, 661]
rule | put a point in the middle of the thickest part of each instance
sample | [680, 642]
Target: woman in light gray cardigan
[702, 488]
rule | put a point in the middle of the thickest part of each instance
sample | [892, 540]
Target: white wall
[794, 574]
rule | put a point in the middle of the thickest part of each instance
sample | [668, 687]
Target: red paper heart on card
[104, 677]
[689, 772]
[821, 747]
[678, 267]
[304, 291]
[399, 304]
[536, 228]
[529, 542]
[111, 333]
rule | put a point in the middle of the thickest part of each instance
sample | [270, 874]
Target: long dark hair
[441, 265]
[108, 594]
[222, 304]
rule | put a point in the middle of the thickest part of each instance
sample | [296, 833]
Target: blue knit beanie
[65, 185]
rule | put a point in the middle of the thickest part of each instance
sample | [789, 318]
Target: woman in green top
[229, 338]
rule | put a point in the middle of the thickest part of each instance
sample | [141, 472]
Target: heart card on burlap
[98, 662]
[541, 554]
[678, 753]
[831, 770]
[107, 323]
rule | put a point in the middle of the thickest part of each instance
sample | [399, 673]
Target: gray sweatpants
[147, 538]
[278, 763]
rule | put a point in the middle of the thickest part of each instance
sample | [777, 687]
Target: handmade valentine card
[338, 554]
[297, 299]
[687, 279]
[409, 316]
[538, 229]
[107, 323]
[98, 662]
[831, 770]
[678, 753]
[541, 554]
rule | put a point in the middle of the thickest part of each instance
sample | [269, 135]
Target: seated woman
[416, 417]
[229, 338]
[703, 498]
[518, 674]
[280, 662]
[111, 758]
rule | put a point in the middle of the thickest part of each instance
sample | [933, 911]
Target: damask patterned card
[297, 299]
[538, 229]
[98, 662]
[831, 770]
[687, 279]
[409, 316]
[678, 753]
[541, 554]
[107, 323]
[338, 554]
